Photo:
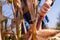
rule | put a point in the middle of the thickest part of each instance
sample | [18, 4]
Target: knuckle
[46, 5]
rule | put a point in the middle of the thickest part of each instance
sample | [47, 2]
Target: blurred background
[53, 14]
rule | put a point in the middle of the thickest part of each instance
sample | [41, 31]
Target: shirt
[7, 11]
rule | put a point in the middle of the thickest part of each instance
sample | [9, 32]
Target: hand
[44, 9]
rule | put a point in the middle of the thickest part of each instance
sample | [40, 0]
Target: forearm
[43, 11]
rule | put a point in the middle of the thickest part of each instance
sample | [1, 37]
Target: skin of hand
[45, 8]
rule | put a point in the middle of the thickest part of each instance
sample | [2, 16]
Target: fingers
[46, 5]
[45, 8]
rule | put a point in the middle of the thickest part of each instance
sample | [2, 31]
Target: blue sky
[53, 14]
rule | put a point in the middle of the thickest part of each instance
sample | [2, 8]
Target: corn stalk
[32, 6]
[20, 18]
